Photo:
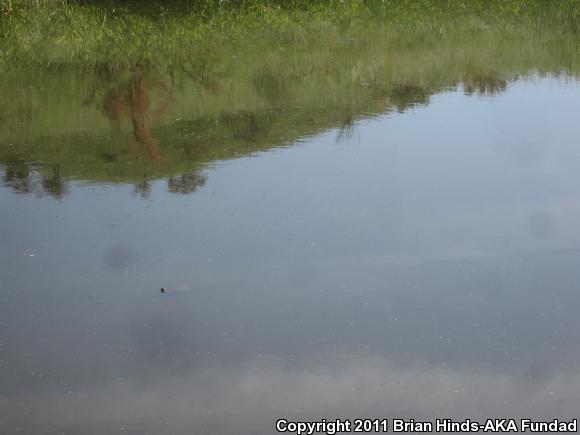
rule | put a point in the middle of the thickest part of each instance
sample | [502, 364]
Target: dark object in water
[162, 289]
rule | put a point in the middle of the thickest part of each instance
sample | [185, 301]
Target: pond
[372, 227]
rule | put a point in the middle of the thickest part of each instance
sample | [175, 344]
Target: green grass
[117, 34]
[238, 79]
[242, 99]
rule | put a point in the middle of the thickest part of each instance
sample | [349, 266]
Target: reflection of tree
[347, 127]
[489, 84]
[272, 88]
[143, 188]
[405, 96]
[186, 183]
[25, 178]
[249, 132]
[132, 100]
[282, 114]
[53, 184]
[17, 174]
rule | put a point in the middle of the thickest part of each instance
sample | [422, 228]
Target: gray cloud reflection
[248, 399]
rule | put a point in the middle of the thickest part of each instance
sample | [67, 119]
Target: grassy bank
[135, 124]
[115, 34]
[123, 93]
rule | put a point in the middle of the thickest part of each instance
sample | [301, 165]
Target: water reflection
[144, 103]
[405, 96]
[143, 188]
[187, 183]
[25, 178]
[429, 271]
[248, 399]
[488, 85]
[149, 139]
[131, 100]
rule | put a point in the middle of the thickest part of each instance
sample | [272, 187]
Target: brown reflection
[132, 100]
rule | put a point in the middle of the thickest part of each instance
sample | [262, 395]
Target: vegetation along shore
[114, 34]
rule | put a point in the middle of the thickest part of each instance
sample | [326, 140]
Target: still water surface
[414, 253]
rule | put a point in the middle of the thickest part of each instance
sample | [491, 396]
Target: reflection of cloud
[247, 400]
[527, 154]
[542, 224]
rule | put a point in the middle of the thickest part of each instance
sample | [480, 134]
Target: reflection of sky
[427, 266]
[248, 399]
